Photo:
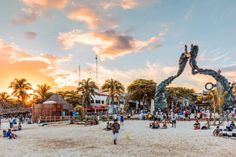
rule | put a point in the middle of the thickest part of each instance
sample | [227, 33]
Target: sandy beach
[73, 140]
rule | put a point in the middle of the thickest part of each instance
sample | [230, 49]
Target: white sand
[73, 141]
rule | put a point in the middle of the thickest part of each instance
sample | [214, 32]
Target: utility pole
[96, 58]
[79, 73]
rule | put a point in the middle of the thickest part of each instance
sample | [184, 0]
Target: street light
[145, 95]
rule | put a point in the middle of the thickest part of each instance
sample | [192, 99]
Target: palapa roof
[57, 99]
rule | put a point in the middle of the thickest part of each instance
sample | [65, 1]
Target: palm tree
[5, 99]
[87, 88]
[4, 96]
[42, 92]
[72, 97]
[20, 88]
[114, 88]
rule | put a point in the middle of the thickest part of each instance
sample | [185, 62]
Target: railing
[55, 118]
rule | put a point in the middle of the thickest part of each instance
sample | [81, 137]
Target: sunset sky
[45, 41]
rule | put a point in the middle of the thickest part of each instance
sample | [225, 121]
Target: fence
[55, 118]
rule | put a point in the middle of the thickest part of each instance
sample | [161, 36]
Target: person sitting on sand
[4, 133]
[155, 125]
[108, 127]
[207, 125]
[151, 124]
[197, 125]
[217, 131]
[230, 127]
[10, 135]
[164, 126]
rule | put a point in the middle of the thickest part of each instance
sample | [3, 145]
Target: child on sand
[216, 132]
[108, 127]
[196, 125]
[115, 129]
[122, 119]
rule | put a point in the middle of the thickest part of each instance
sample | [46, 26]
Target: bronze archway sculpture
[160, 100]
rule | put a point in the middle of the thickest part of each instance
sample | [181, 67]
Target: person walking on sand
[173, 120]
[115, 129]
[122, 119]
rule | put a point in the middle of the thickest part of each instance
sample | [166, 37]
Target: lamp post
[144, 102]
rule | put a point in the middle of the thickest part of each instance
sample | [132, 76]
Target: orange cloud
[17, 63]
[45, 4]
[85, 14]
[90, 16]
[124, 4]
[108, 44]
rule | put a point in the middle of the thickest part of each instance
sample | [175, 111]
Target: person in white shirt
[173, 120]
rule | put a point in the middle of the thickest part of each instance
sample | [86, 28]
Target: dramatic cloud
[17, 63]
[108, 44]
[30, 35]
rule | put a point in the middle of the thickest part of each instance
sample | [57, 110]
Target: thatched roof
[59, 100]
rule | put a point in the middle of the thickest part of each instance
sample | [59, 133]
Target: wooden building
[53, 109]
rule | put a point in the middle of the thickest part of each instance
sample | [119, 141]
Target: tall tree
[72, 97]
[20, 88]
[87, 89]
[114, 88]
[42, 93]
[4, 96]
[143, 91]
[5, 99]
[234, 90]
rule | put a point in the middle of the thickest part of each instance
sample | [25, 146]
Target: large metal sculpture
[160, 100]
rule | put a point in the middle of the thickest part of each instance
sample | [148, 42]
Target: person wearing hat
[115, 129]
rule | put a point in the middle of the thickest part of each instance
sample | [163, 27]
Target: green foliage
[140, 88]
[180, 92]
[87, 89]
[114, 88]
[71, 97]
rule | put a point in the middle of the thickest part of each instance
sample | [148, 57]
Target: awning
[98, 108]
